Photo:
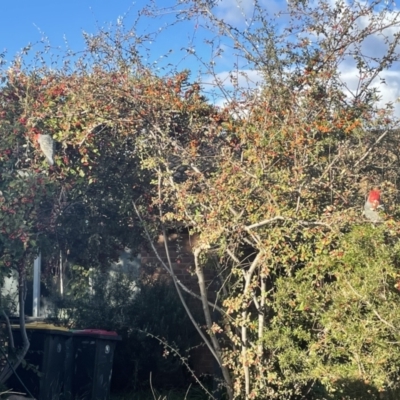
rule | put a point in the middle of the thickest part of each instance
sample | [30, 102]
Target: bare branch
[279, 218]
[174, 279]
[371, 148]
[372, 309]
[265, 222]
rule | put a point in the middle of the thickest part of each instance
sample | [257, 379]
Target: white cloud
[244, 78]
[235, 12]
[389, 88]
[375, 45]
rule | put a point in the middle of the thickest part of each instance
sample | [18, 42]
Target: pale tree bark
[168, 267]
[209, 322]
[247, 278]
[261, 323]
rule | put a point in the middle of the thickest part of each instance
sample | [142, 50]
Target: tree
[59, 209]
[275, 190]
[25, 200]
[272, 184]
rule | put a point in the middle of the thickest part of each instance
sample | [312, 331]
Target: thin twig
[370, 305]
[207, 314]
[371, 148]
[165, 266]
[183, 360]
[174, 279]
[231, 255]
[280, 218]
[264, 222]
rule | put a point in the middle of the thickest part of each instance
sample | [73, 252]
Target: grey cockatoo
[46, 144]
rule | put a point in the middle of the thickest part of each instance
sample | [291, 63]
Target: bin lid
[99, 333]
[43, 326]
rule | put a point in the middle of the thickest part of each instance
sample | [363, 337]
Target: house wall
[180, 252]
[10, 292]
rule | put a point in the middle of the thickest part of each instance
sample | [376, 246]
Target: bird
[372, 205]
[46, 144]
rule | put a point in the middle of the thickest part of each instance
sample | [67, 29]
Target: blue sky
[27, 21]
[24, 21]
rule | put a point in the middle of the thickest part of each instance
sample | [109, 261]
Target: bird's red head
[374, 197]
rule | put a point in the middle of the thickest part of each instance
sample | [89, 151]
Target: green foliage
[335, 321]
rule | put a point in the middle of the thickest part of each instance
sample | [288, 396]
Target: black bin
[45, 372]
[92, 354]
